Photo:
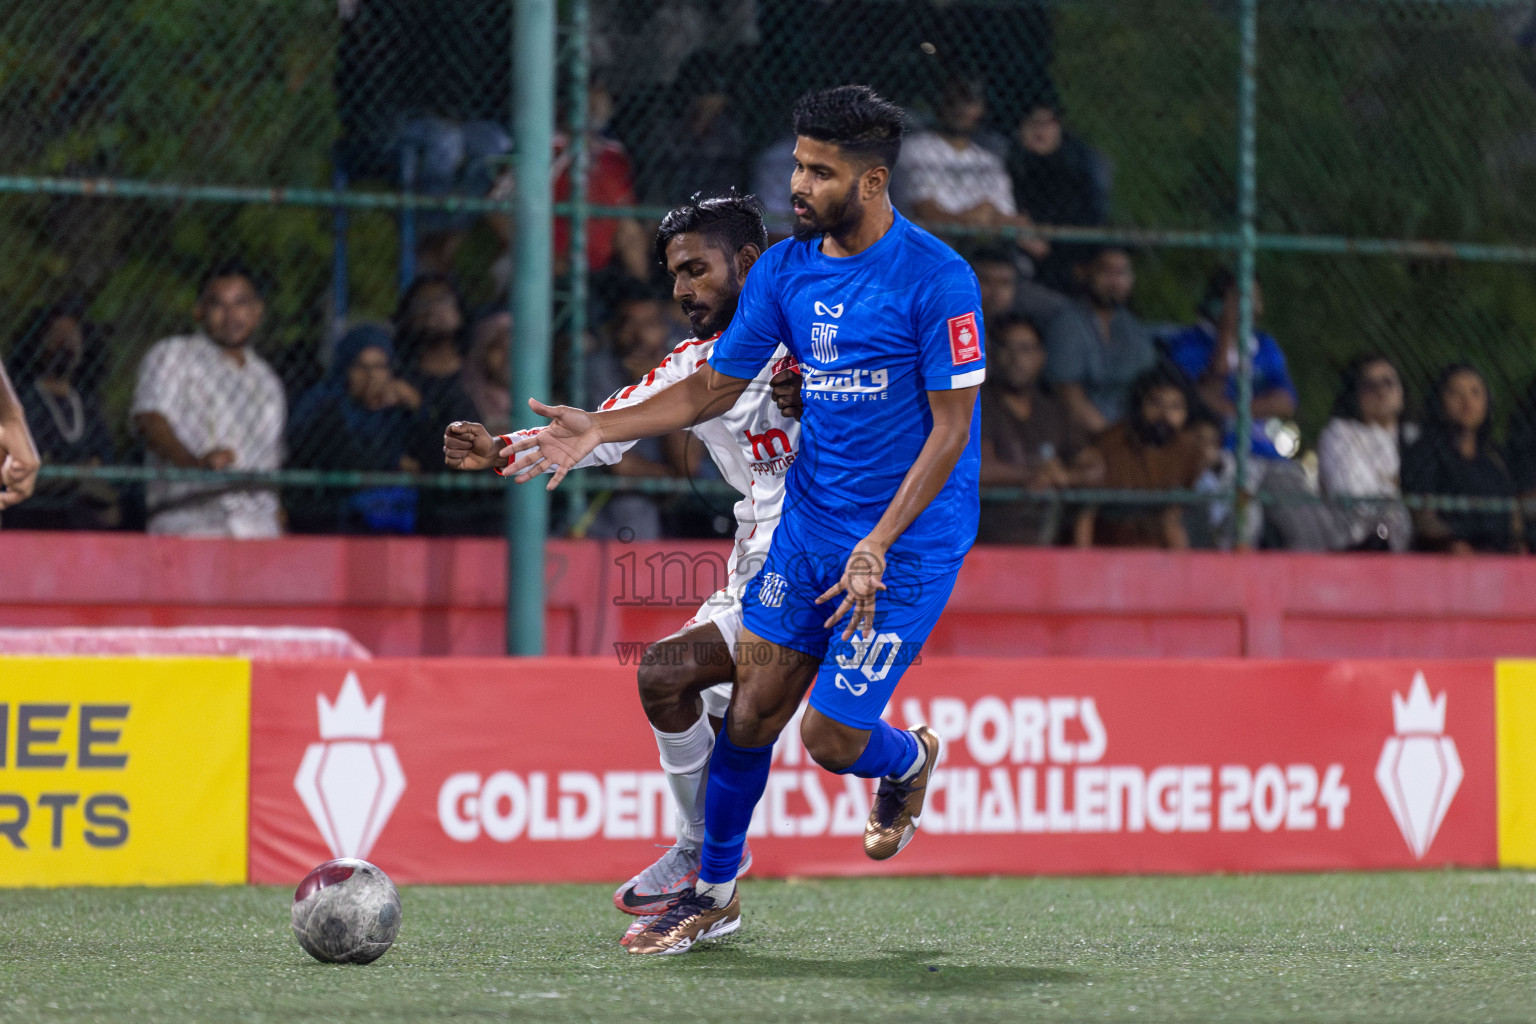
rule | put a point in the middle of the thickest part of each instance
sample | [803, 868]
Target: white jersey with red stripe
[752, 443]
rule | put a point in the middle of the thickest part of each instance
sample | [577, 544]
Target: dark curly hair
[856, 119]
[731, 222]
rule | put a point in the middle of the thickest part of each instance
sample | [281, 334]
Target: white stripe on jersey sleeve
[967, 380]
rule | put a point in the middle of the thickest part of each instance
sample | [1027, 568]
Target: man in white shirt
[208, 401]
[951, 178]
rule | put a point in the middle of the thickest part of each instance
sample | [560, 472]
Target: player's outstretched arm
[861, 580]
[19, 461]
[572, 434]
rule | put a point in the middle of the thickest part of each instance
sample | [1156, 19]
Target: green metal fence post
[1248, 46]
[580, 168]
[533, 58]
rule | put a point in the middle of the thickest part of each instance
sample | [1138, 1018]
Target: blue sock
[737, 778]
[890, 751]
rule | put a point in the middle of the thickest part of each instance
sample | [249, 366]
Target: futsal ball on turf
[346, 912]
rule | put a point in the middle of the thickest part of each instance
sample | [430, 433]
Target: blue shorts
[857, 676]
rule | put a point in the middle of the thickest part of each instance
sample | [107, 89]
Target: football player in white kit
[685, 680]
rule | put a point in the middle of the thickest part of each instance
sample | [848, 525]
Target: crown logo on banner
[1417, 714]
[350, 782]
[1420, 770]
[351, 717]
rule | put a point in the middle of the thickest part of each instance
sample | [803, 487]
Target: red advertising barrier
[416, 596]
[544, 770]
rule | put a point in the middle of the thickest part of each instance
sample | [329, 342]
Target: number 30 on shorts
[874, 656]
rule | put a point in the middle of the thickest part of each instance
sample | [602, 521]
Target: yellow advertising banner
[1515, 697]
[123, 771]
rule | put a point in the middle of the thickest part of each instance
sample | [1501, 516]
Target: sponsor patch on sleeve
[964, 339]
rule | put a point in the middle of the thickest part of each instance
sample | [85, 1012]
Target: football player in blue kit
[880, 507]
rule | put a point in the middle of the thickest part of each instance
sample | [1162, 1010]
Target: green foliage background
[1411, 119]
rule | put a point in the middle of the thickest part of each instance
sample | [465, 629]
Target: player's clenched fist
[468, 446]
[569, 438]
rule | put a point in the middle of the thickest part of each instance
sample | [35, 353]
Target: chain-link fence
[1369, 157]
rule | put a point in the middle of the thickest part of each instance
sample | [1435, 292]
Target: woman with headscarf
[359, 417]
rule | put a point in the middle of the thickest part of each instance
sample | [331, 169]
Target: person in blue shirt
[1207, 353]
[881, 505]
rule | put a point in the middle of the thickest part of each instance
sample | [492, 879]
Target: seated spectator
[700, 149]
[1058, 180]
[614, 244]
[424, 96]
[486, 371]
[770, 183]
[1207, 353]
[1522, 448]
[430, 345]
[1027, 438]
[1149, 451]
[67, 424]
[1006, 290]
[359, 417]
[948, 177]
[1457, 457]
[429, 339]
[1359, 455]
[208, 401]
[636, 338]
[1096, 347]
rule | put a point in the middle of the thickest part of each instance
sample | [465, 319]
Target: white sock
[719, 893]
[915, 766]
[685, 759]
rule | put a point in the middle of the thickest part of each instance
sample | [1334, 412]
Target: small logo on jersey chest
[822, 309]
[964, 339]
[823, 341]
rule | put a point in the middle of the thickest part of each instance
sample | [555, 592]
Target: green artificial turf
[1443, 946]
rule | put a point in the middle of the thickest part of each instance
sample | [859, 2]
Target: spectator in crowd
[1149, 451]
[999, 280]
[19, 462]
[486, 370]
[1206, 525]
[1027, 438]
[1006, 290]
[1058, 180]
[208, 401]
[1457, 457]
[636, 338]
[1522, 447]
[770, 183]
[699, 149]
[615, 245]
[948, 177]
[430, 327]
[429, 338]
[359, 417]
[1207, 353]
[1096, 347]
[1359, 455]
[67, 423]
[424, 96]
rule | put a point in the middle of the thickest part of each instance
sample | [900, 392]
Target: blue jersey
[873, 333]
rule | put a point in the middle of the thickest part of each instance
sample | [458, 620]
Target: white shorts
[723, 610]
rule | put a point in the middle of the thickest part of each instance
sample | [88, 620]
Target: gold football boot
[691, 919]
[898, 808]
